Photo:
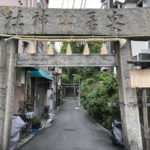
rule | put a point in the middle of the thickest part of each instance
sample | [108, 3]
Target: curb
[27, 139]
[99, 125]
[24, 141]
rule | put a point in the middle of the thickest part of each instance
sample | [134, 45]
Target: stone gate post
[128, 100]
[8, 49]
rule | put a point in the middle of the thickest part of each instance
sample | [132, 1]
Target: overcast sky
[77, 4]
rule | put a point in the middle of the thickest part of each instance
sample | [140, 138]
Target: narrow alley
[72, 129]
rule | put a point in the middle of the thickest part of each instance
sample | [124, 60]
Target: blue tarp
[41, 74]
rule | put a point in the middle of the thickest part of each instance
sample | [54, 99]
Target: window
[144, 3]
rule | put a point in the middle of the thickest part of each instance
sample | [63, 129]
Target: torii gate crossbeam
[109, 22]
[24, 60]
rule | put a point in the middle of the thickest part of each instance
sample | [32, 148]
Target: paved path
[71, 130]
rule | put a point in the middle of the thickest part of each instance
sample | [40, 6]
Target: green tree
[78, 47]
[77, 78]
[96, 93]
[64, 78]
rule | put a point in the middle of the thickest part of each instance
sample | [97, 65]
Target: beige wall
[19, 89]
[18, 98]
[14, 3]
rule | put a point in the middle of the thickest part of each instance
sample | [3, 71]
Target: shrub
[97, 91]
[36, 122]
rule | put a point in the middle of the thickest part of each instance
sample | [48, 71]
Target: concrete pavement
[72, 129]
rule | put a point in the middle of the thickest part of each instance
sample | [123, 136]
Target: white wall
[13, 2]
[130, 5]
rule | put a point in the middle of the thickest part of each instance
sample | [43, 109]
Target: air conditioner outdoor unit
[143, 54]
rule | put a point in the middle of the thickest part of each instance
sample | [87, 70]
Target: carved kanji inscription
[92, 21]
[14, 21]
[66, 22]
[116, 21]
[40, 17]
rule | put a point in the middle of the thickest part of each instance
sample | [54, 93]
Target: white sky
[69, 3]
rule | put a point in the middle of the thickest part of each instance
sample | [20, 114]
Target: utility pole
[79, 93]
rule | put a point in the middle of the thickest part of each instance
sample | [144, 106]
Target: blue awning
[41, 74]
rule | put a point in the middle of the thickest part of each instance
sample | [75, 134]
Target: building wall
[40, 95]
[130, 5]
[13, 3]
[25, 3]
[146, 3]
[21, 93]
[19, 97]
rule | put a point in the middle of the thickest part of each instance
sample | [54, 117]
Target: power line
[81, 4]
[73, 4]
[84, 3]
[62, 4]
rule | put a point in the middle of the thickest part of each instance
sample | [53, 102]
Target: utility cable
[73, 4]
[81, 4]
[101, 4]
[84, 3]
[62, 4]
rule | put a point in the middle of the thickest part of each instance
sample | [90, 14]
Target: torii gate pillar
[7, 86]
[128, 100]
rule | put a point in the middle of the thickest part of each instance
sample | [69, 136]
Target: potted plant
[36, 122]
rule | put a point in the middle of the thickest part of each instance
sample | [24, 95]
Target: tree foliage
[78, 47]
[64, 78]
[83, 72]
[77, 78]
[96, 92]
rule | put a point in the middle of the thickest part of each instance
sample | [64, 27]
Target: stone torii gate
[114, 23]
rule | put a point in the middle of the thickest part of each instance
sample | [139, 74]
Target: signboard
[140, 78]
